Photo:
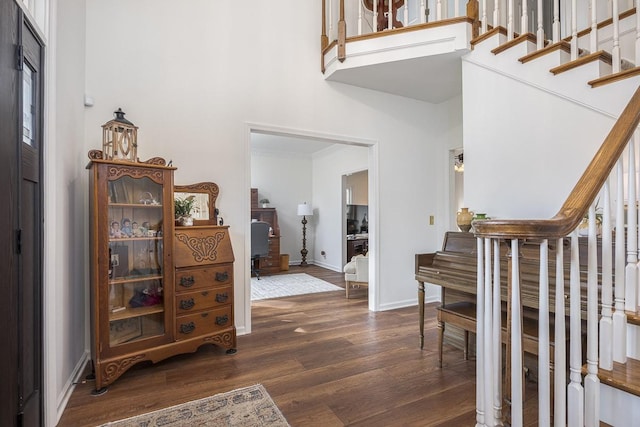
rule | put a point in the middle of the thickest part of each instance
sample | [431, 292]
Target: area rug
[245, 407]
[284, 285]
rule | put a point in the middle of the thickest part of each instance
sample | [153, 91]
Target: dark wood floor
[325, 361]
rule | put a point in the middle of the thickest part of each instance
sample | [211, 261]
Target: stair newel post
[490, 351]
[606, 322]
[342, 35]
[540, 32]
[480, 338]
[510, 20]
[524, 19]
[593, 36]
[574, 29]
[497, 337]
[575, 392]
[556, 21]
[544, 375]
[517, 372]
[591, 381]
[559, 372]
[631, 271]
[619, 316]
[615, 50]
[473, 13]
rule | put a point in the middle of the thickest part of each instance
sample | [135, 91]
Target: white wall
[193, 77]
[285, 179]
[524, 165]
[66, 217]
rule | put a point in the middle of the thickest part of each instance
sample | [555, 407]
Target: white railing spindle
[438, 10]
[631, 271]
[406, 13]
[516, 339]
[606, 323]
[524, 22]
[480, 338]
[575, 392]
[375, 15]
[496, 13]
[510, 20]
[615, 50]
[490, 351]
[544, 376]
[619, 316]
[540, 32]
[390, 15]
[559, 372]
[423, 11]
[593, 36]
[591, 381]
[574, 30]
[497, 337]
[456, 5]
[556, 21]
[483, 18]
[360, 17]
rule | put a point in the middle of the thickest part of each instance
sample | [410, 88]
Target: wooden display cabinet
[136, 312]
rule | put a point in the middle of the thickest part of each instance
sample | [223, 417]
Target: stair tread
[631, 72]
[623, 376]
[521, 38]
[633, 318]
[600, 55]
[488, 34]
[561, 45]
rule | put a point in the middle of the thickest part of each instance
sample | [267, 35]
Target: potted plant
[265, 203]
[184, 210]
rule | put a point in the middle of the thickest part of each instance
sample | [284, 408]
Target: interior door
[21, 92]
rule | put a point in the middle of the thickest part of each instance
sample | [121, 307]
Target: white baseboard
[327, 266]
[407, 303]
[70, 385]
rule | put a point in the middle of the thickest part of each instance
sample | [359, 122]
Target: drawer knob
[187, 304]
[222, 297]
[222, 320]
[187, 328]
[222, 277]
[187, 281]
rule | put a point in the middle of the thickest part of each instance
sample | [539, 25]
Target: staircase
[586, 61]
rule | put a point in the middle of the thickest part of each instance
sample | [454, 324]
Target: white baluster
[615, 50]
[631, 271]
[456, 5]
[360, 10]
[423, 11]
[637, 3]
[556, 21]
[524, 19]
[480, 351]
[619, 316]
[496, 13]
[593, 36]
[606, 323]
[390, 15]
[375, 15]
[406, 13]
[559, 372]
[516, 339]
[591, 381]
[490, 351]
[510, 20]
[497, 337]
[484, 24]
[540, 32]
[575, 392]
[574, 30]
[544, 376]
[330, 15]
[438, 10]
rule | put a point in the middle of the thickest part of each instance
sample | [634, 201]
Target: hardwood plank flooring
[325, 361]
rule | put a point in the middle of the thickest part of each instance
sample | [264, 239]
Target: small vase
[464, 218]
[185, 221]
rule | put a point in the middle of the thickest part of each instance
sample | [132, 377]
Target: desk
[356, 247]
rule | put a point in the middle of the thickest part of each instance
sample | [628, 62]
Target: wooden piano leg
[466, 345]
[440, 338]
[421, 308]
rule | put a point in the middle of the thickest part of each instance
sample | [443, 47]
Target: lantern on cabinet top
[120, 139]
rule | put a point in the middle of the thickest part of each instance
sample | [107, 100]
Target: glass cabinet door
[134, 228]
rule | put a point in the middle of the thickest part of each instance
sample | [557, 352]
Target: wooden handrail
[582, 195]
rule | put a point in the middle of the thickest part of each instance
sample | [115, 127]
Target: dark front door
[21, 98]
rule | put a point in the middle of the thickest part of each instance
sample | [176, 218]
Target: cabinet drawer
[203, 323]
[188, 279]
[204, 299]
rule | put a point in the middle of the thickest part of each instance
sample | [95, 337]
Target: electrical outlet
[323, 253]
[432, 219]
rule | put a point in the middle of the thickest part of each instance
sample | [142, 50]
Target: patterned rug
[284, 285]
[245, 407]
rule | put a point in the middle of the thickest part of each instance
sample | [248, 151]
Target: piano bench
[463, 315]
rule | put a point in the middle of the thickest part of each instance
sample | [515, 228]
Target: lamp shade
[305, 210]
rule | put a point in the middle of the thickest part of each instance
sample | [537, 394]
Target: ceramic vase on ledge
[464, 218]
